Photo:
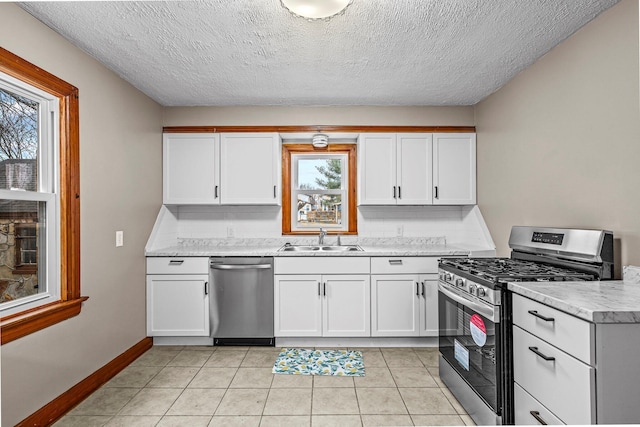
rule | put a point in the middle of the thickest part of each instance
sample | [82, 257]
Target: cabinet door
[347, 305]
[189, 168]
[395, 305]
[298, 306]
[178, 305]
[429, 306]
[454, 168]
[377, 169]
[250, 169]
[414, 170]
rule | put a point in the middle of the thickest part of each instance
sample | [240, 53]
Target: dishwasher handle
[241, 266]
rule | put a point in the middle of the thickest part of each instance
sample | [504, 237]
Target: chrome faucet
[321, 236]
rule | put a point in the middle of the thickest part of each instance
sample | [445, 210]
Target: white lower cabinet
[403, 304]
[568, 370]
[322, 305]
[177, 297]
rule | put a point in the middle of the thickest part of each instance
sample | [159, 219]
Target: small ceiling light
[320, 140]
[316, 9]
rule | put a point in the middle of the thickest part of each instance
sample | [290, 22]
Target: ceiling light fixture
[316, 9]
[320, 140]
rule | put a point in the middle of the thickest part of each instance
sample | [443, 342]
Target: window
[319, 189]
[39, 206]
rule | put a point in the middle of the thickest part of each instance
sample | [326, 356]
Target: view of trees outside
[318, 208]
[19, 224]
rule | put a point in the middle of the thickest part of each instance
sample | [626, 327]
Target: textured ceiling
[379, 52]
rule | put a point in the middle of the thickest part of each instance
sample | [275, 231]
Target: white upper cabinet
[454, 168]
[227, 168]
[190, 168]
[395, 169]
[250, 168]
[414, 168]
[377, 167]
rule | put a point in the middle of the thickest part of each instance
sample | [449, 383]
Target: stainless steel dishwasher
[242, 301]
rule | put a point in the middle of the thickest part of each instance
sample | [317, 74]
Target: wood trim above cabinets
[321, 128]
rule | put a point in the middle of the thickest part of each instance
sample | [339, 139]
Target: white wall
[559, 145]
[120, 183]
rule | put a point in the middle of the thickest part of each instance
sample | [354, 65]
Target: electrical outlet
[230, 232]
[399, 231]
[119, 238]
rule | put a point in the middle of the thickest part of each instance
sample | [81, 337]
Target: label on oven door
[478, 330]
[461, 354]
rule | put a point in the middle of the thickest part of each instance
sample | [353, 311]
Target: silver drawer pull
[540, 316]
[536, 415]
[537, 352]
[176, 262]
[395, 261]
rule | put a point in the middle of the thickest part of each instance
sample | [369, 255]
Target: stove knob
[459, 283]
[472, 289]
[447, 277]
[481, 292]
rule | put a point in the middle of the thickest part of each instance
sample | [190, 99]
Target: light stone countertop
[613, 301]
[424, 246]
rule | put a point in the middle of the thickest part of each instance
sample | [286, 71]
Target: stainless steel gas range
[475, 329]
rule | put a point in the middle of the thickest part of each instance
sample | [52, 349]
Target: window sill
[25, 323]
[23, 270]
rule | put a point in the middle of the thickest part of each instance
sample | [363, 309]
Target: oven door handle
[480, 308]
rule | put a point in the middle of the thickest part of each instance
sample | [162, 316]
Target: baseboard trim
[62, 404]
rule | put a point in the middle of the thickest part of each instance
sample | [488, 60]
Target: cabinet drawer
[566, 332]
[404, 265]
[321, 265]
[177, 265]
[527, 408]
[565, 385]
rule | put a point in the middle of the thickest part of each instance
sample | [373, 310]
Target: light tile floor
[234, 386]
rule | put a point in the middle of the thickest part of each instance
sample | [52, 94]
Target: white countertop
[270, 247]
[613, 301]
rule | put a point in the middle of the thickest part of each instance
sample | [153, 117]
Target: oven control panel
[469, 287]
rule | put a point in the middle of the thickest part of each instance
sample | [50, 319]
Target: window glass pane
[319, 210]
[18, 142]
[21, 248]
[319, 174]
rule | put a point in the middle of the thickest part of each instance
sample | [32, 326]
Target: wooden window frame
[20, 324]
[350, 150]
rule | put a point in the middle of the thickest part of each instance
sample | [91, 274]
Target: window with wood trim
[319, 189]
[39, 199]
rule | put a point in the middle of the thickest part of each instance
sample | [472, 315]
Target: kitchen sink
[307, 248]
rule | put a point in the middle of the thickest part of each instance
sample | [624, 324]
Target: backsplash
[435, 225]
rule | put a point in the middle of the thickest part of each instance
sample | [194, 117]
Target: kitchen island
[575, 347]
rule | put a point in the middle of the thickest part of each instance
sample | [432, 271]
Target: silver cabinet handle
[536, 415]
[324, 289]
[241, 266]
[319, 292]
[540, 316]
[176, 262]
[399, 192]
[395, 261]
[436, 191]
[274, 192]
[394, 191]
[206, 288]
[539, 354]
[215, 196]
[417, 289]
[423, 289]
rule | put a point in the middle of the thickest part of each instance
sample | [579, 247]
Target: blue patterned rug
[298, 361]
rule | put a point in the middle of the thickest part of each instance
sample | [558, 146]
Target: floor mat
[299, 361]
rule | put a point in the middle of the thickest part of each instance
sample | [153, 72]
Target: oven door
[469, 340]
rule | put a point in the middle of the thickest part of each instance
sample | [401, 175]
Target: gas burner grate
[512, 270]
